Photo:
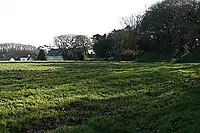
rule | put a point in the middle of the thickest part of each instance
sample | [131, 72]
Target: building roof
[55, 52]
[23, 57]
[12, 59]
[4, 59]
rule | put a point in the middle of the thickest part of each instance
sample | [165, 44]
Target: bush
[80, 56]
[126, 55]
[90, 55]
[191, 57]
[150, 57]
[89, 58]
[42, 55]
[173, 60]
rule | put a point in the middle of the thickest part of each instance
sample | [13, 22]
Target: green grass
[99, 97]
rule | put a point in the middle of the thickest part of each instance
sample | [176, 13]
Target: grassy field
[99, 97]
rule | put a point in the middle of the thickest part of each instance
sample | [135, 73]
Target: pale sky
[36, 22]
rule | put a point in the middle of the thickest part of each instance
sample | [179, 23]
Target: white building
[12, 59]
[28, 58]
[23, 59]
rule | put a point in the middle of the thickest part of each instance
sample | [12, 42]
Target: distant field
[99, 97]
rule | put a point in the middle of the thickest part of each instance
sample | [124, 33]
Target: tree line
[14, 50]
[169, 29]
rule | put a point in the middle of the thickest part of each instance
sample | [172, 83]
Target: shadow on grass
[155, 99]
[139, 113]
[15, 80]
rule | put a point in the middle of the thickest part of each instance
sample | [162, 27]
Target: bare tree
[84, 42]
[16, 50]
[73, 41]
[65, 41]
[132, 21]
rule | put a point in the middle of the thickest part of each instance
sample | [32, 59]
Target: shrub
[190, 57]
[80, 55]
[126, 55]
[42, 55]
[150, 57]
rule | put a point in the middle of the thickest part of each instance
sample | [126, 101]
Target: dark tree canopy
[171, 27]
[122, 44]
[42, 55]
[103, 46]
[168, 28]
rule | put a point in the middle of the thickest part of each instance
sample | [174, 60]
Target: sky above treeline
[36, 22]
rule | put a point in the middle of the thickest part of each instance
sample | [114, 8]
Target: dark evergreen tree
[42, 55]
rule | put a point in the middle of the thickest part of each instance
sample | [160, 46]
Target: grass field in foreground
[101, 97]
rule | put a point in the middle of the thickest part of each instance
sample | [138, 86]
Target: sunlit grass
[99, 97]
